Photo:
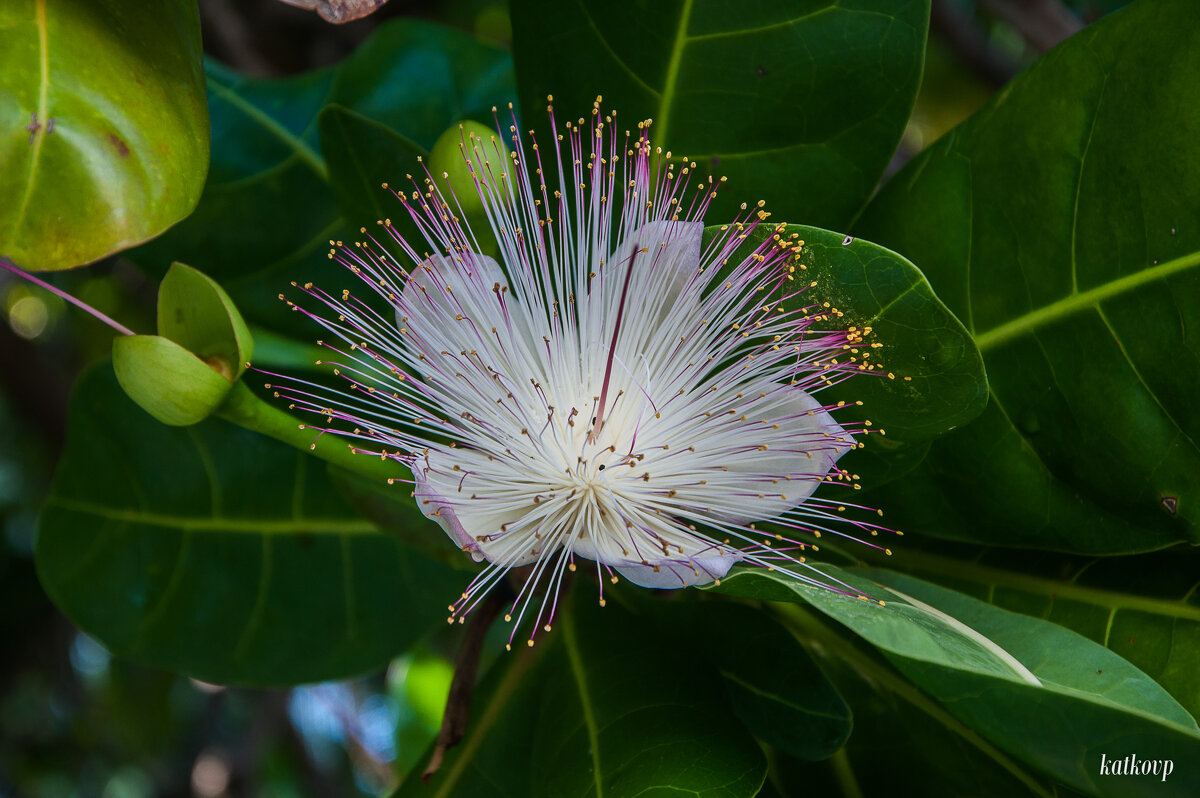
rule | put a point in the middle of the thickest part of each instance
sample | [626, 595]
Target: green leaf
[106, 127]
[266, 209]
[774, 686]
[609, 706]
[362, 154]
[419, 79]
[196, 313]
[904, 743]
[396, 513]
[278, 192]
[222, 554]
[800, 103]
[1059, 222]
[1144, 608]
[1086, 699]
[937, 379]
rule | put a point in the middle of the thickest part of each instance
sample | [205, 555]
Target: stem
[58, 292]
[244, 408]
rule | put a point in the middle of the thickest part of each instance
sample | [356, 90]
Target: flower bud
[169, 382]
[197, 314]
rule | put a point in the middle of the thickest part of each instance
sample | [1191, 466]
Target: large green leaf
[1083, 700]
[1060, 223]
[362, 154]
[269, 209]
[904, 743]
[937, 380]
[800, 103]
[1146, 608]
[610, 707]
[106, 128]
[774, 686]
[222, 554]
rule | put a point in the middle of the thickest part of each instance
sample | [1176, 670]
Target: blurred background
[75, 721]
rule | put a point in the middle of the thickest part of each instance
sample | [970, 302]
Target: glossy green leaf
[1059, 222]
[904, 743]
[1144, 608]
[884, 620]
[937, 380]
[800, 103]
[266, 209]
[419, 79]
[609, 707]
[277, 194]
[774, 686]
[395, 512]
[362, 154]
[196, 313]
[106, 127]
[222, 554]
[1086, 700]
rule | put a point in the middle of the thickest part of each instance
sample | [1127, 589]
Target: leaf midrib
[39, 135]
[1074, 303]
[677, 47]
[241, 525]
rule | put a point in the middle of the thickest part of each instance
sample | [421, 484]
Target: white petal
[469, 278]
[670, 575]
[810, 441]
[699, 562]
[669, 261]
[439, 499]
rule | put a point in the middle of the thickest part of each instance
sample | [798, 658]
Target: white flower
[616, 391]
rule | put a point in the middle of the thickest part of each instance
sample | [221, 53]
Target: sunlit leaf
[105, 141]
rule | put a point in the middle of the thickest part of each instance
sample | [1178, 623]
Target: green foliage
[1059, 223]
[799, 103]
[106, 129]
[997, 671]
[220, 553]
[1031, 279]
[286, 178]
[774, 686]
[606, 706]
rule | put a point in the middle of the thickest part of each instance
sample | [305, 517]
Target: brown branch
[466, 665]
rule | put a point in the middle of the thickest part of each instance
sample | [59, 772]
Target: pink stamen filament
[58, 292]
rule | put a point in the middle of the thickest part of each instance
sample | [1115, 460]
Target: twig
[466, 665]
